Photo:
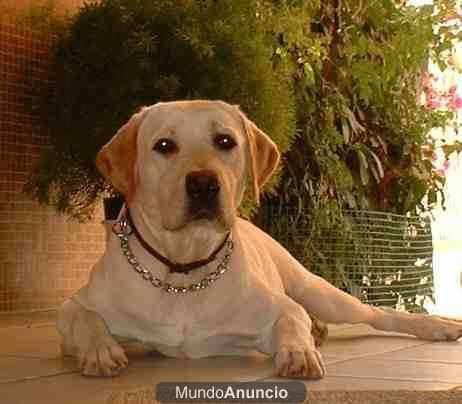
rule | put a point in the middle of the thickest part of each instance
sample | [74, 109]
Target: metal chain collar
[122, 229]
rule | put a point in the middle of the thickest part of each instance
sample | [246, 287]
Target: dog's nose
[202, 185]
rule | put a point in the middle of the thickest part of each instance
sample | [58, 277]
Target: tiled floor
[357, 358]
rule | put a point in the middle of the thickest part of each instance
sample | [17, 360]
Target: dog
[185, 275]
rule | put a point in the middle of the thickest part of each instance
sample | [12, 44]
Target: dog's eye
[165, 146]
[224, 142]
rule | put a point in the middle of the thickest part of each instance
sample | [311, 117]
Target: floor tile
[443, 352]
[34, 342]
[139, 378]
[239, 368]
[14, 368]
[370, 368]
[30, 319]
[385, 397]
[357, 357]
[361, 340]
[331, 383]
[75, 389]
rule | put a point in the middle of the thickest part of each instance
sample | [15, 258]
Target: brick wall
[44, 257]
[19, 7]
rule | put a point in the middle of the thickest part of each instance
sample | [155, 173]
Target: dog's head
[186, 162]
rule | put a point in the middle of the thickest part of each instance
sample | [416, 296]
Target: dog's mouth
[203, 212]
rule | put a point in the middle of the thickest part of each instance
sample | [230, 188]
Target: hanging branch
[332, 21]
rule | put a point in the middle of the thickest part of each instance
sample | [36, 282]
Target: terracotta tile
[361, 345]
[14, 368]
[232, 368]
[33, 319]
[43, 342]
[392, 368]
[371, 368]
[34, 342]
[443, 352]
[382, 397]
[331, 383]
[74, 389]
[329, 359]
[138, 379]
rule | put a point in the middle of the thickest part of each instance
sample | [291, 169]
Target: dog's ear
[263, 155]
[116, 159]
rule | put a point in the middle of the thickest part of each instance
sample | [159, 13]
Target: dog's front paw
[103, 358]
[435, 328]
[297, 361]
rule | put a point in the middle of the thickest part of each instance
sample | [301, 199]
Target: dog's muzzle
[202, 188]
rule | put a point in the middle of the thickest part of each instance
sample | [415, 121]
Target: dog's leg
[86, 336]
[331, 305]
[291, 343]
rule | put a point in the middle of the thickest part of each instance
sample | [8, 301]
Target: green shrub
[118, 55]
[361, 129]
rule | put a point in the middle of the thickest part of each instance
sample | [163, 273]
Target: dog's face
[186, 162]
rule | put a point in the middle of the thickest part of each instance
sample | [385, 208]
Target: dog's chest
[227, 317]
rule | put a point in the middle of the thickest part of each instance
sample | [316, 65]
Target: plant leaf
[363, 167]
[346, 131]
[378, 163]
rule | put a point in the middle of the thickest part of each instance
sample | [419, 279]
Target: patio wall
[44, 257]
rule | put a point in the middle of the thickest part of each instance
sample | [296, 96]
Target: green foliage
[118, 55]
[361, 128]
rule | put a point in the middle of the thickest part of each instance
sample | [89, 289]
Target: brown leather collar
[172, 266]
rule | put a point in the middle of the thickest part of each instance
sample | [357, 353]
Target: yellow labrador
[183, 274]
